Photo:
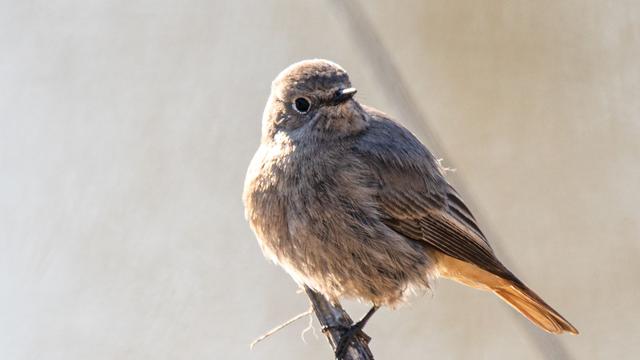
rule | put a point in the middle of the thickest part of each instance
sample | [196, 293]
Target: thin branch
[332, 318]
[280, 327]
[309, 328]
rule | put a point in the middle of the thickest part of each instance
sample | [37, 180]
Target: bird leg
[351, 332]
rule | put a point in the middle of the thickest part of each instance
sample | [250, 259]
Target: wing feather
[416, 201]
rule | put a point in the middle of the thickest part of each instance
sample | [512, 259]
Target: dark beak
[343, 95]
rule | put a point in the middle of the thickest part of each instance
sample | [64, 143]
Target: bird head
[312, 99]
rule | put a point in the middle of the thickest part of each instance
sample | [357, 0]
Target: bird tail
[510, 289]
[534, 308]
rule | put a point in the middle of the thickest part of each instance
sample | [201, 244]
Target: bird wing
[414, 198]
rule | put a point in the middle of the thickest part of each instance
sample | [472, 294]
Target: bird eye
[301, 105]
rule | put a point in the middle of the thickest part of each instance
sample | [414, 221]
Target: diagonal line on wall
[366, 38]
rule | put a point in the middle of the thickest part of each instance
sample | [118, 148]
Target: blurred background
[126, 128]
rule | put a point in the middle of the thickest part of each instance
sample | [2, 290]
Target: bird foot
[349, 334]
[347, 338]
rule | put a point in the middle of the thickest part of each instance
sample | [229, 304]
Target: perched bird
[352, 204]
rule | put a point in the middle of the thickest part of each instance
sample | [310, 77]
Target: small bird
[351, 204]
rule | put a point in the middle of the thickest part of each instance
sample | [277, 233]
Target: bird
[353, 205]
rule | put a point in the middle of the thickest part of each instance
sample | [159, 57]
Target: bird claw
[348, 336]
[338, 327]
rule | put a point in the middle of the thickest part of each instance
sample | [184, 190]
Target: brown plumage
[351, 204]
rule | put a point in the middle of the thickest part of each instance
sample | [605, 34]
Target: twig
[332, 318]
[280, 327]
[309, 328]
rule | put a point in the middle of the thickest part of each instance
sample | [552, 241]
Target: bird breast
[315, 214]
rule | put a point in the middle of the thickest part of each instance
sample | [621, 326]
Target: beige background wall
[126, 128]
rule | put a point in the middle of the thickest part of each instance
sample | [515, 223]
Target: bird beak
[343, 95]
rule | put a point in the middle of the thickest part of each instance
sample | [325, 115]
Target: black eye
[301, 105]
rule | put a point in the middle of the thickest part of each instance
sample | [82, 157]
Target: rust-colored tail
[535, 309]
[510, 289]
